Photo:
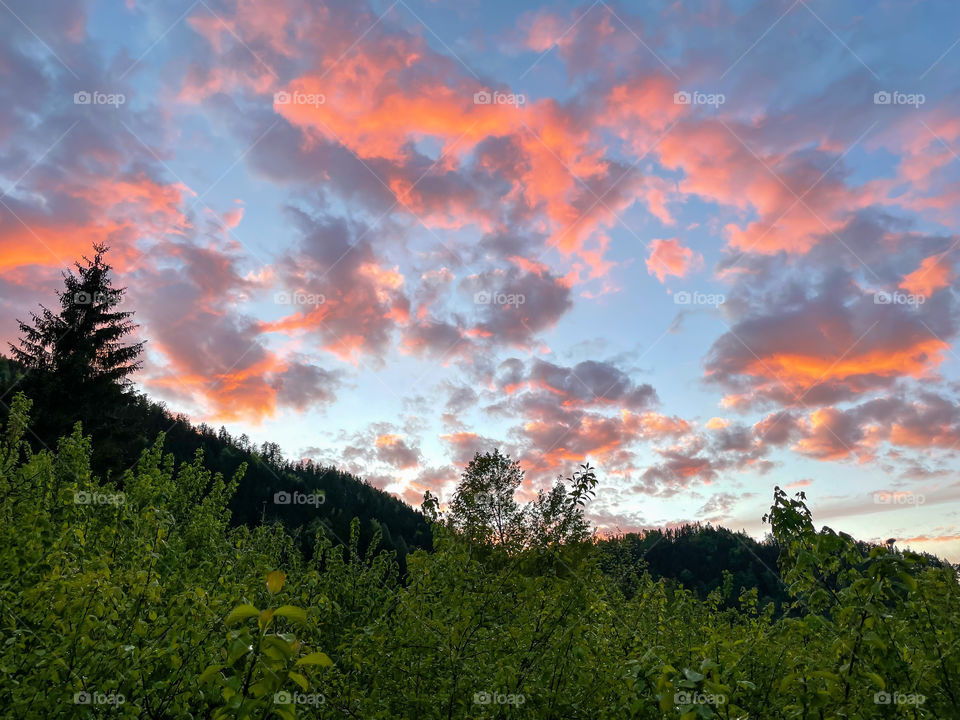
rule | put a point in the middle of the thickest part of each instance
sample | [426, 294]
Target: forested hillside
[126, 424]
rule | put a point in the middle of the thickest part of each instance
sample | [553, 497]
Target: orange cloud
[669, 257]
[795, 203]
[930, 539]
[826, 438]
[381, 97]
[799, 371]
[654, 425]
[236, 394]
[935, 272]
[928, 436]
[115, 210]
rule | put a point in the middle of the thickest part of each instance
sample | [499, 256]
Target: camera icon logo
[82, 298]
[681, 298]
[482, 298]
[81, 498]
[282, 698]
[882, 298]
[281, 498]
[881, 98]
[482, 97]
[81, 98]
[682, 98]
[82, 698]
[482, 698]
[683, 698]
[281, 98]
[882, 698]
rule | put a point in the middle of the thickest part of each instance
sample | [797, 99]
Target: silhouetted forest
[127, 423]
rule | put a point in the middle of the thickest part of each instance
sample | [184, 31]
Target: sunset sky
[708, 246]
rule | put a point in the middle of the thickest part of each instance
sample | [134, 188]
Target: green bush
[148, 603]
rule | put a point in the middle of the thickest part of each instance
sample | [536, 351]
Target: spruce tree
[78, 363]
[85, 344]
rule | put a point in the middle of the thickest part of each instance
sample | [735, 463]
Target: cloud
[393, 450]
[206, 353]
[935, 272]
[464, 445]
[827, 345]
[587, 383]
[569, 414]
[669, 257]
[351, 300]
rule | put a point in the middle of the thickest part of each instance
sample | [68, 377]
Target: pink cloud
[669, 257]
[935, 272]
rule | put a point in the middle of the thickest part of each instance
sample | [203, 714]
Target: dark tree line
[703, 559]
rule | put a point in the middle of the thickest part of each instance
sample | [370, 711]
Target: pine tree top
[86, 340]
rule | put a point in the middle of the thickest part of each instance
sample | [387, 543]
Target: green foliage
[485, 511]
[259, 663]
[145, 601]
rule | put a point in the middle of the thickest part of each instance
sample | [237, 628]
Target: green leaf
[316, 658]
[275, 581]
[277, 648]
[292, 612]
[209, 673]
[908, 580]
[241, 613]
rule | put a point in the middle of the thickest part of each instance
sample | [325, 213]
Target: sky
[707, 246]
